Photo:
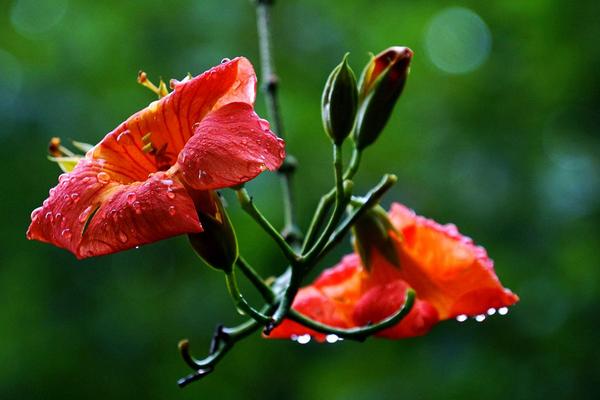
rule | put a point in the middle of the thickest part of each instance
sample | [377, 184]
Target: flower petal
[90, 214]
[230, 146]
[151, 139]
[382, 301]
[445, 268]
[312, 303]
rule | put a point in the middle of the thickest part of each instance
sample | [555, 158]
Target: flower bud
[372, 232]
[217, 243]
[380, 85]
[339, 102]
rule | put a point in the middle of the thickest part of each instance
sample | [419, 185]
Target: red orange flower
[450, 274]
[146, 179]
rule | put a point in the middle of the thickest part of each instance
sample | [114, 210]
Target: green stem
[326, 201]
[240, 302]
[248, 205]
[228, 337]
[360, 333]
[271, 86]
[370, 200]
[254, 278]
[305, 262]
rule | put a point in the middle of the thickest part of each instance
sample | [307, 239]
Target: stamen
[161, 91]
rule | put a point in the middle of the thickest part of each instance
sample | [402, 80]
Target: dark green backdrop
[507, 149]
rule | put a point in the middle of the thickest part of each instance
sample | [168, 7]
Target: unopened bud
[372, 232]
[380, 85]
[339, 102]
[217, 243]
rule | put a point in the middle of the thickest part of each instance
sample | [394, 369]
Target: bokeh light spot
[32, 18]
[457, 40]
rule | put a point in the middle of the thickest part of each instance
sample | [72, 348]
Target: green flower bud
[372, 232]
[339, 102]
[380, 85]
[217, 243]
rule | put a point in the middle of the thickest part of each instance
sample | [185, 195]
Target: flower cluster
[157, 174]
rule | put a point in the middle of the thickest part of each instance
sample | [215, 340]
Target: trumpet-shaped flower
[148, 178]
[450, 274]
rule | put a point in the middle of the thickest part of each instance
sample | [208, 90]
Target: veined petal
[313, 304]
[382, 301]
[90, 214]
[230, 146]
[151, 139]
[445, 268]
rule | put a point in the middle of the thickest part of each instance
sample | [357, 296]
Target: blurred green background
[497, 131]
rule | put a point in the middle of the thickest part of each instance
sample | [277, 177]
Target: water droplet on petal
[303, 339]
[131, 197]
[264, 124]
[85, 214]
[67, 198]
[66, 233]
[170, 194]
[123, 237]
[35, 213]
[75, 197]
[331, 338]
[49, 216]
[63, 178]
[103, 177]
[58, 217]
[225, 60]
[86, 179]
[51, 191]
[137, 207]
[461, 318]
[491, 311]
[124, 138]
[167, 182]
[172, 210]
[480, 318]
[503, 310]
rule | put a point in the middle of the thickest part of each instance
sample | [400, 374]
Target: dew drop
[225, 60]
[491, 311]
[167, 182]
[75, 197]
[49, 216]
[115, 217]
[35, 213]
[66, 233]
[137, 207]
[63, 178]
[331, 338]
[85, 214]
[45, 203]
[123, 237]
[51, 191]
[67, 198]
[124, 138]
[461, 318]
[170, 194]
[172, 210]
[87, 179]
[131, 197]
[480, 318]
[303, 339]
[264, 124]
[103, 177]
[58, 217]
[503, 310]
